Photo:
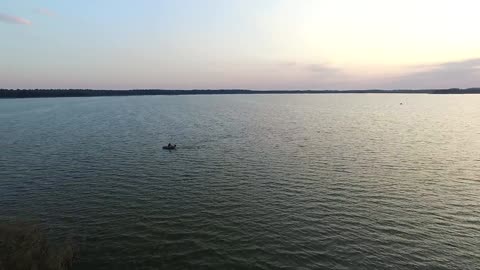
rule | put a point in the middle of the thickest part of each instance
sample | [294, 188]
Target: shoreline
[45, 93]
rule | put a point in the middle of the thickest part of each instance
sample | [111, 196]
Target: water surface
[258, 181]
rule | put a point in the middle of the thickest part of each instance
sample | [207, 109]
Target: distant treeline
[38, 93]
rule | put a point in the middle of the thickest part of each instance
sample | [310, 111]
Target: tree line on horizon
[32, 93]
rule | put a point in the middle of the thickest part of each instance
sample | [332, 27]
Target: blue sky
[283, 44]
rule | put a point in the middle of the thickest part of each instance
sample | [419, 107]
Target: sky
[239, 44]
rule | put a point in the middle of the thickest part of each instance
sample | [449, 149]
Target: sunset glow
[289, 44]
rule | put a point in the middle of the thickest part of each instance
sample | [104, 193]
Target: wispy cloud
[13, 19]
[287, 63]
[321, 68]
[444, 75]
[46, 12]
[315, 68]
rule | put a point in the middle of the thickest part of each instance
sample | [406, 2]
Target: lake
[332, 181]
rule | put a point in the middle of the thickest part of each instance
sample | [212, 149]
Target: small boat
[171, 147]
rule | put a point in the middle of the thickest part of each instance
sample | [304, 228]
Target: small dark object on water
[170, 147]
[401, 103]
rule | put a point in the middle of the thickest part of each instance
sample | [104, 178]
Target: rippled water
[257, 182]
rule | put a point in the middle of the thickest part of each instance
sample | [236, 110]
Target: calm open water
[258, 181]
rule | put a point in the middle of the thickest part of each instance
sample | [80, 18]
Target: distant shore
[43, 93]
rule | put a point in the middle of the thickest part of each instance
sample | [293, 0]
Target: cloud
[13, 19]
[321, 68]
[46, 12]
[462, 74]
[315, 68]
[287, 64]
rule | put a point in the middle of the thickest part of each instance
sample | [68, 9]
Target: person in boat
[169, 145]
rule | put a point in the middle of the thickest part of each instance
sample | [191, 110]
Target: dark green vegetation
[31, 93]
[25, 246]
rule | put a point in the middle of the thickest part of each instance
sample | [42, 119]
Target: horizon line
[239, 89]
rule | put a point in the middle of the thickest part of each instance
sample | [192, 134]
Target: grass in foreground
[26, 247]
